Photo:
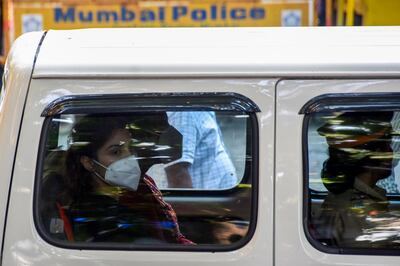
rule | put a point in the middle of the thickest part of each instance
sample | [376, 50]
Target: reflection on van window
[350, 207]
[101, 175]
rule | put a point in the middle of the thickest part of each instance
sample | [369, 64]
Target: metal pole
[350, 13]
[340, 13]
[328, 13]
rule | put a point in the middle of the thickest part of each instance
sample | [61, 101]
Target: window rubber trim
[340, 102]
[254, 176]
[130, 102]
[351, 102]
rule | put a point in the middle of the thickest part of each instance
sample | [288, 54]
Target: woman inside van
[360, 155]
[108, 197]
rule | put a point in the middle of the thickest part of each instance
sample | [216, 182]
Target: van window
[147, 180]
[352, 193]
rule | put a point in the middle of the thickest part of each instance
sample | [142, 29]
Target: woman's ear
[87, 163]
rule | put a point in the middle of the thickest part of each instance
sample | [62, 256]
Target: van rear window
[352, 192]
[147, 180]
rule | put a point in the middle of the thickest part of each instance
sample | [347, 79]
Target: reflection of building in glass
[318, 153]
[318, 150]
[355, 212]
[392, 183]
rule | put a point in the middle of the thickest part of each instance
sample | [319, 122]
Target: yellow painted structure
[373, 12]
[381, 13]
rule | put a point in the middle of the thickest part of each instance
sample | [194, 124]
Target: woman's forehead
[118, 137]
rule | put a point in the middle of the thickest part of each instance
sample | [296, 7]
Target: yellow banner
[32, 17]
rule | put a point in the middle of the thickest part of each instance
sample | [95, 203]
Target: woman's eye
[116, 152]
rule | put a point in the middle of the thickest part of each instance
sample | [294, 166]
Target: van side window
[353, 176]
[146, 180]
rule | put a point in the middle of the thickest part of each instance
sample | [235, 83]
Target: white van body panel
[18, 71]
[253, 62]
[261, 52]
[23, 243]
[290, 236]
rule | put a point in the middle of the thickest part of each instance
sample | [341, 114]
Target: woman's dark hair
[88, 135]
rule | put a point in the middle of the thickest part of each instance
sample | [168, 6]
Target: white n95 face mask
[124, 173]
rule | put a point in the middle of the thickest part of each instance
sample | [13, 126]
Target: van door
[332, 136]
[230, 225]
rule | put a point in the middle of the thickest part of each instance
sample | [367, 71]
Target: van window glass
[151, 178]
[353, 178]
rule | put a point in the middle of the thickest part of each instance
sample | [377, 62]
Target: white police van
[308, 117]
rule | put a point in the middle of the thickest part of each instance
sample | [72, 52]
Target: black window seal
[254, 169]
[341, 102]
[351, 102]
[129, 102]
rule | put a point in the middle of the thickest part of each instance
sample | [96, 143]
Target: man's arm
[178, 175]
